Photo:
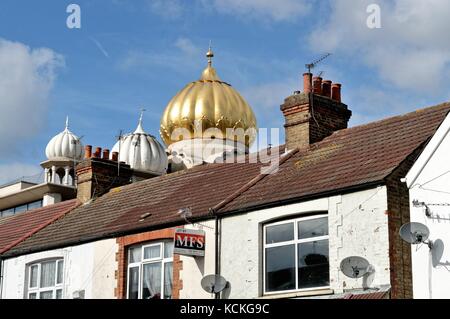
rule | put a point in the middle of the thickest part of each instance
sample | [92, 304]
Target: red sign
[189, 242]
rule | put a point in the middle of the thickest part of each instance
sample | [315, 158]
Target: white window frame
[38, 290]
[163, 260]
[294, 242]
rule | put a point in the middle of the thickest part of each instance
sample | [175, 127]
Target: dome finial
[139, 128]
[210, 54]
[67, 122]
[142, 115]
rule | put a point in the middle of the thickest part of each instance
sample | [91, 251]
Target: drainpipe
[217, 250]
[217, 237]
[1, 278]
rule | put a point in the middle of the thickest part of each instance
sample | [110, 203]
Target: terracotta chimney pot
[326, 88]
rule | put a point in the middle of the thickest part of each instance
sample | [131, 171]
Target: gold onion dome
[211, 102]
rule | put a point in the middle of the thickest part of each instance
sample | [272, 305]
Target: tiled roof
[356, 156]
[17, 228]
[120, 210]
[349, 158]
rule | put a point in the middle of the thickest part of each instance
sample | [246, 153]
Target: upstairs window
[45, 279]
[150, 271]
[296, 255]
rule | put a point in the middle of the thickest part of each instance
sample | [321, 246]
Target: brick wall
[96, 177]
[307, 123]
[122, 259]
[399, 214]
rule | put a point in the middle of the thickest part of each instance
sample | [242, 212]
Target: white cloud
[181, 57]
[260, 10]
[168, 9]
[280, 10]
[27, 77]
[410, 50]
[187, 47]
[372, 104]
[268, 97]
[14, 171]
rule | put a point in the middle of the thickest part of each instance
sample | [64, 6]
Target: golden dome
[211, 102]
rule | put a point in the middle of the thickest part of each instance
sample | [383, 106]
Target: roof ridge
[387, 119]
[252, 182]
[398, 116]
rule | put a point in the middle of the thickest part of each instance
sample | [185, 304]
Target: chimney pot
[326, 88]
[336, 92]
[115, 156]
[317, 85]
[88, 151]
[106, 154]
[98, 152]
[307, 82]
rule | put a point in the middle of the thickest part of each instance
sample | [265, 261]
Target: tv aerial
[313, 64]
[214, 283]
[355, 266]
[415, 233]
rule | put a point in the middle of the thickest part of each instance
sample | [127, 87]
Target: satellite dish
[354, 267]
[414, 233]
[213, 283]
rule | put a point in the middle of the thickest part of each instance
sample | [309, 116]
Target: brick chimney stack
[96, 175]
[315, 113]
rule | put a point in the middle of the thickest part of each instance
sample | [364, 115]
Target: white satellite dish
[355, 267]
[213, 283]
[414, 233]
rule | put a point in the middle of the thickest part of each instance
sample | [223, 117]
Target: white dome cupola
[65, 145]
[63, 152]
[142, 151]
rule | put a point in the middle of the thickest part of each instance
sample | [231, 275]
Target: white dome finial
[65, 145]
[140, 129]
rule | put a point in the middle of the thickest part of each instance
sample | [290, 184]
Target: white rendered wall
[89, 267]
[51, 198]
[195, 268]
[357, 226]
[433, 186]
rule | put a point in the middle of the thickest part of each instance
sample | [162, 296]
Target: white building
[76, 272]
[429, 184]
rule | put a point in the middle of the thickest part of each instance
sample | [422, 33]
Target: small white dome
[142, 151]
[65, 145]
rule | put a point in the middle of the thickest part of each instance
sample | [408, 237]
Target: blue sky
[130, 54]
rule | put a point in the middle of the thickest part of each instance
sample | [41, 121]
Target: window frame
[140, 265]
[296, 242]
[37, 290]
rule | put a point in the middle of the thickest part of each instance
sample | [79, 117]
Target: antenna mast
[118, 156]
[313, 64]
[76, 142]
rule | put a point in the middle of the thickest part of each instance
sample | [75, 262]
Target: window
[296, 255]
[45, 279]
[21, 208]
[150, 270]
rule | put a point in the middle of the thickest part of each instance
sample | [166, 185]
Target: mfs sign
[189, 242]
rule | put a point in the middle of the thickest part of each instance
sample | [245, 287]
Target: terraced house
[276, 224]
